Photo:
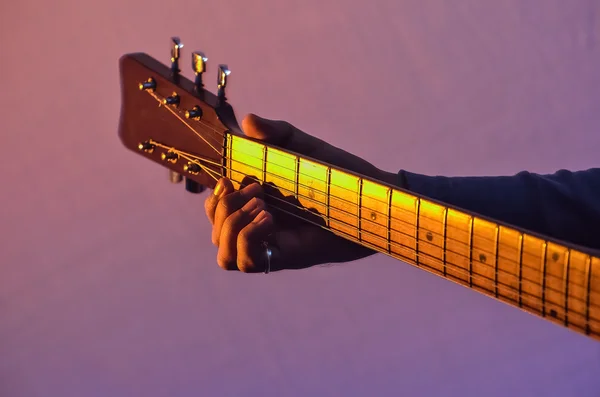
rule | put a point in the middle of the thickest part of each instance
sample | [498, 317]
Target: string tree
[222, 76]
[199, 67]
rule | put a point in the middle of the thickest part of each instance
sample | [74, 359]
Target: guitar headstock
[173, 121]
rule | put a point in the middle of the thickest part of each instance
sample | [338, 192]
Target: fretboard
[544, 277]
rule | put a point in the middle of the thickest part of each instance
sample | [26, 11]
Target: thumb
[280, 133]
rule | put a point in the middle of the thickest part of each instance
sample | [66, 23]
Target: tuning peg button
[199, 66]
[222, 76]
[175, 177]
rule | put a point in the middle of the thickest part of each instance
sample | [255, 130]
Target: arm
[564, 205]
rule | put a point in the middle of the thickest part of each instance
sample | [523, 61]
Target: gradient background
[108, 280]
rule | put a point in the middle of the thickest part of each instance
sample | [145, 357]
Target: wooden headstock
[173, 121]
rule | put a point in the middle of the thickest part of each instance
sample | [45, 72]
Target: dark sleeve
[564, 205]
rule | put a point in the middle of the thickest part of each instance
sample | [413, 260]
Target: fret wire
[297, 177]
[445, 240]
[566, 284]
[225, 159]
[497, 256]
[358, 208]
[521, 242]
[379, 249]
[588, 281]
[418, 212]
[297, 183]
[264, 163]
[389, 220]
[543, 276]
[328, 198]
[230, 143]
[471, 251]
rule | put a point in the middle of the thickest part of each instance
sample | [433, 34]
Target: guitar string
[492, 229]
[358, 218]
[501, 286]
[172, 111]
[215, 175]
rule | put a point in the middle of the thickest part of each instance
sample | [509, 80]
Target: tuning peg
[223, 73]
[199, 66]
[176, 45]
[175, 177]
[149, 85]
[173, 99]
[193, 187]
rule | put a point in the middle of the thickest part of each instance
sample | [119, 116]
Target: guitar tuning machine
[176, 46]
[199, 66]
[172, 100]
[222, 75]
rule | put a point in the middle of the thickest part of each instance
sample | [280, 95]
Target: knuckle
[226, 204]
[230, 225]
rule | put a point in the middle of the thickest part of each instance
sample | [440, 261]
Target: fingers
[280, 133]
[223, 188]
[227, 256]
[230, 203]
[241, 245]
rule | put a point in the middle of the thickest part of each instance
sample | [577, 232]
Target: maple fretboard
[544, 277]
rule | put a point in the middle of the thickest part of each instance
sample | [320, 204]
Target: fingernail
[253, 206]
[219, 187]
[262, 217]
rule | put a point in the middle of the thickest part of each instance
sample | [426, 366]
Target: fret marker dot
[553, 313]
[482, 258]
[555, 256]
[373, 216]
[429, 236]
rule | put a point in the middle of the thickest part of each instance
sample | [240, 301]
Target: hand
[242, 221]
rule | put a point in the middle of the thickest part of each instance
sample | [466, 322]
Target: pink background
[108, 280]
